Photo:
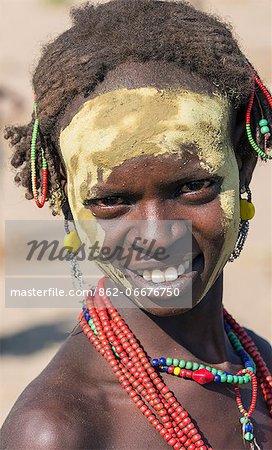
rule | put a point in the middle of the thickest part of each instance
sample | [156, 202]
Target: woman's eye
[197, 186]
[105, 202]
[107, 207]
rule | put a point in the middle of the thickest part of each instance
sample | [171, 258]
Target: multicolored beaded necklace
[139, 377]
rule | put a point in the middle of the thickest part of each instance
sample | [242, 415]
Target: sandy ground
[31, 336]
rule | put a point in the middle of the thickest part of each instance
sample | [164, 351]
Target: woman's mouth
[171, 273]
[168, 274]
[169, 282]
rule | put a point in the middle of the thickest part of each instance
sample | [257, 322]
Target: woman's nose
[161, 233]
[155, 225]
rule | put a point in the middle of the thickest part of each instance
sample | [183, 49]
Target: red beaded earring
[263, 123]
[39, 203]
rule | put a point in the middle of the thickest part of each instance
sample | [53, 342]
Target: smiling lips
[170, 273]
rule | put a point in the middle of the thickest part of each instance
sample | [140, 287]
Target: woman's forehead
[136, 74]
[126, 123]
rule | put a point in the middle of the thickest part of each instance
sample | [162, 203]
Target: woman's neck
[198, 333]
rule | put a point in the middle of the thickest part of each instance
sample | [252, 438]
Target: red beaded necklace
[111, 336]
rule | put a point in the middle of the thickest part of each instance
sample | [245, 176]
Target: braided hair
[105, 36]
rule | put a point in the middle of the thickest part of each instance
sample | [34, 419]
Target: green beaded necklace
[205, 374]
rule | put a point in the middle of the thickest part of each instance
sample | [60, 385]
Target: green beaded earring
[263, 123]
[39, 203]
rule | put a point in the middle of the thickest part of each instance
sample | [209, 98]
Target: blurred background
[30, 337]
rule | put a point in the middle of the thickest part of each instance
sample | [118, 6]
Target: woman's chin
[166, 312]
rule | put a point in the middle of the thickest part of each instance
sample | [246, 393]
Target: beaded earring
[247, 212]
[263, 123]
[39, 203]
[72, 243]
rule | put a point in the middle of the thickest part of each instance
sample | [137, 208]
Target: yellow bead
[72, 242]
[247, 210]
[176, 370]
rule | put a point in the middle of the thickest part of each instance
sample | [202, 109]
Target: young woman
[150, 119]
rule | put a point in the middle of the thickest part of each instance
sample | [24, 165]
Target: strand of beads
[111, 336]
[39, 203]
[262, 372]
[264, 90]
[202, 373]
[238, 347]
[247, 426]
[263, 122]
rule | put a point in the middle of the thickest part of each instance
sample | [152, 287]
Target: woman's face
[146, 163]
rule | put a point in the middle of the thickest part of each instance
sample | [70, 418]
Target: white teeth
[171, 274]
[147, 275]
[181, 269]
[157, 276]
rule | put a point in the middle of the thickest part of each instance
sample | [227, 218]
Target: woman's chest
[214, 414]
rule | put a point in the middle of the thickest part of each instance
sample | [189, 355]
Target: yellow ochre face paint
[128, 123]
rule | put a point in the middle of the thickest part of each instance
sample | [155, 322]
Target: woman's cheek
[221, 217]
[223, 233]
[207, 223]
[230, 205]
[92, 234]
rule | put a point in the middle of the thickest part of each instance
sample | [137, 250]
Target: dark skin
[77, 403]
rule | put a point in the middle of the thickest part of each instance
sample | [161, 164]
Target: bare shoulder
[60, 408]
[264, 347]
[39, 428]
